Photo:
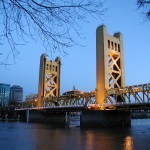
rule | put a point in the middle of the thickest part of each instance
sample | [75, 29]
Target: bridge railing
[119, 104]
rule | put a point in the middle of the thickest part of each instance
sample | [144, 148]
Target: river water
[32, 136]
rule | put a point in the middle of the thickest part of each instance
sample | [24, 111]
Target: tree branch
[54, 23]
[144, 4]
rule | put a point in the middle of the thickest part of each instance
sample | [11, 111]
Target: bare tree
[53, 21]
[145, 4]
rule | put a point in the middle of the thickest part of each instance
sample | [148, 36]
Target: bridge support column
[27, 115]
[105, 118]
[67, 117]
[33, 116]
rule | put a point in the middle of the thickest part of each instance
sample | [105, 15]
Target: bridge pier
[88, 118]
[27, 115]
[105, 118]
[53, 117]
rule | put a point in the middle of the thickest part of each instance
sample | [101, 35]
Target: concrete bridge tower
[109, 62]
[49, 78]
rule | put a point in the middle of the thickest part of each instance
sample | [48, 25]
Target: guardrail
[52, 107]
[119, 104]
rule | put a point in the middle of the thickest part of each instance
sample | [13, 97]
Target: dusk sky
[79, 67]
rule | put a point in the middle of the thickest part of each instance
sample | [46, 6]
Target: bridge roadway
[121, 106]
[103, 106]
[55, 108]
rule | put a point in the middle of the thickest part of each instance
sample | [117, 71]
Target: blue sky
[79, 67]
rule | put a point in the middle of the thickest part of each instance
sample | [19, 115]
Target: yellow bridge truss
[137, 94]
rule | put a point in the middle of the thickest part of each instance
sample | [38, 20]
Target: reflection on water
[128, 143]
[27, 136]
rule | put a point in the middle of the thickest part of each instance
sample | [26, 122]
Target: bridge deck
[103, 106]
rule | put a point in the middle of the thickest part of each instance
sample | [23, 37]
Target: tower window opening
[112, 45]
[118, 47]
[56, 68]
[108, 43]
[115, 47]
[46, 66]
[53, 68]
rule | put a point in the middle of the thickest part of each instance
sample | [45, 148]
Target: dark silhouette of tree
[145, 4]
[54, 22]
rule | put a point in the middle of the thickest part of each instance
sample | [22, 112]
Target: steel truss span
[132, 97]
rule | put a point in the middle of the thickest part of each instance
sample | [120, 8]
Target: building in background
[16, 94]
[4, 95]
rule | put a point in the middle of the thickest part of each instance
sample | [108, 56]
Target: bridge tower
[49, 78]
[109, 62]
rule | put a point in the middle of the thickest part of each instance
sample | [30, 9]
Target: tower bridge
[111, 100]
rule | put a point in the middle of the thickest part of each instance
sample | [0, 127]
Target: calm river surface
[29, 136]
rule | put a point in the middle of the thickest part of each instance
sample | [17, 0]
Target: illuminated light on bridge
[128, 143]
